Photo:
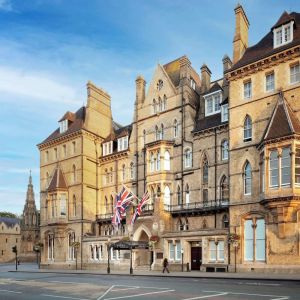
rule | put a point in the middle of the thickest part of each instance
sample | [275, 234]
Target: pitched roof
[9, 222]
[118, 133]
[215, 87]
[68, 116]
[58, 181]
[283, 122]
[265, 47]
[208, 122]
[75, 125]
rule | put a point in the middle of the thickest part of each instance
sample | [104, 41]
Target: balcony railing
[206, 206]
[148, 210]
[104, 217]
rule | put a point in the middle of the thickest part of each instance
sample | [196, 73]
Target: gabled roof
[58, 181]
[214, 88]
[118, 133]
[68, 116]
[9, 222]
[265, 46]
[283, 122]
[75, 125]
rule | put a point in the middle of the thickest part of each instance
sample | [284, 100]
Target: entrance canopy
[128, 245]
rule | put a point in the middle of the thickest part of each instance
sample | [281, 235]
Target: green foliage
[7, 214]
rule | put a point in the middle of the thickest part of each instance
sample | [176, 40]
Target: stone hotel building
[220, 159]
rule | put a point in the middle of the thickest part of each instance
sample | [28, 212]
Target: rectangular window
[297, 167]
[248, 240]
[171, 251]
[63, 126]
[212, 103]
[220, 251]
[285, 167]
[247, 90]
[274, 169]
[123, 143]
[212, 251]
[270, 82]
[224, 112]
[283, 34]
[193, 84]
[295, 73]
[63, 205]
[260, 247]
[178, 250]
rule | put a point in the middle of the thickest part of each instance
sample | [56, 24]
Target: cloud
[34, 85]
[6, 5]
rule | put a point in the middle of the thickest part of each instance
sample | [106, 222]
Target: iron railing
[196, 206]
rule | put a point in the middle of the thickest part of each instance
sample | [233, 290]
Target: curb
[160, 276]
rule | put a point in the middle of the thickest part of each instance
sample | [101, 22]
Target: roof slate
[265, 47]
[58, 181]
[9, 222]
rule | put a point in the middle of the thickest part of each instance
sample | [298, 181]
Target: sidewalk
[32, 268]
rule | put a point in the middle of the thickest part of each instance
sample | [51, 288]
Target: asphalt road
[50, 286]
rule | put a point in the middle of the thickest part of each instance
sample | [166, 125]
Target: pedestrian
[166, 265]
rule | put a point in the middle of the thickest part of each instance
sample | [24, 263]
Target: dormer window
[283, 34]
[107, 148]
[63, 126]
[123, 143]
[212, 103]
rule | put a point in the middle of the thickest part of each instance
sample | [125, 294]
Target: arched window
[247, 179]
[187, 158]
[162, 133]
[167, 196]
[144, 137]
[165, 102]
[224, 189]
[205, 170]
[187, 194]
[74, 206]
[132, 170]
[274, 169]
[158, 191]
[106, 176]
[123, 172]
[224, 150]
[247, 129]
[151, 162]
[71, 240]
[160, 104]
[179, 198]
[106, 205]
[74, 173]
[111, 174]
[158, 161]
[225, 221]
[154, 106]
[167, 165]
[157, 133]
[111, 203]
[175, 128]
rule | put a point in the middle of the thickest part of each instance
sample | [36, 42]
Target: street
[30, 286]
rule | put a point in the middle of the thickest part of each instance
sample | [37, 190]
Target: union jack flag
[124, 199]
[116, 219]
[138, 210]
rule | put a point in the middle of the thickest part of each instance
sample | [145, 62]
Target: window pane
[260, 240]
[212, 250]
[221, 250]
[274, 172]
[285, 166]
[248, 236]
[297, 167]
[171, 251]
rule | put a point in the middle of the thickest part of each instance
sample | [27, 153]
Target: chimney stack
[227, 63]
[205, 78]
[240, 41]
[140, 84]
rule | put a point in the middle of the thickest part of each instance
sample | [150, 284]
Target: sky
[49, 49]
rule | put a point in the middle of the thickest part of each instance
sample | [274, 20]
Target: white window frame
[248, 89]
[273, 169]
[248, 129]
[123, 143]
[224, 112]
[63, 205]
[270, 82]
[188, 158]
[295, 75]
[158, 160]
[216, 99]
[283, 39]
[107, 148]
[63, 126]
[247, 178]
[224, 150]
[167, 162]
[193, 84]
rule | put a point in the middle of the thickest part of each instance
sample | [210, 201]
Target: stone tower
[30, 233]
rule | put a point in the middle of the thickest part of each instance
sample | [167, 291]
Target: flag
[116, 219]
[124, 198]
[139, 208]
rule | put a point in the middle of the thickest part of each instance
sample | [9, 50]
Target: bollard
[187, 267]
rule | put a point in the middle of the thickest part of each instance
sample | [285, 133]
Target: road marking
[105, 293]
[144, 294]
[64, 297]
[258, 283]
[68, 282]
[8, 291]
[129, 288]
[277, 297]
[207, 296]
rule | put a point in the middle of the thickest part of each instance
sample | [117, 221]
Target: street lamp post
[131, 270]
[130, 231]
[108, 255]
[76, 246]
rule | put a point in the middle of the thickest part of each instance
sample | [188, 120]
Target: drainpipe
[215, 131]
[97, 187]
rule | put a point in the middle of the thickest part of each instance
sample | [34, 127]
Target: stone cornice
[114, 156]
[263, 63]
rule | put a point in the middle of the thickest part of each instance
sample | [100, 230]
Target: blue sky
[49, 49]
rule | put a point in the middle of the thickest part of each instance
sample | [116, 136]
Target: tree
[7, 214]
